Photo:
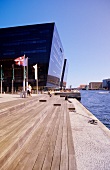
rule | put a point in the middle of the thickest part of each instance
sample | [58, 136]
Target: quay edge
[71, 94]
[91, 141]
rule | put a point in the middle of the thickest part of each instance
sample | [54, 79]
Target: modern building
[95, 85]
[106, 84]
[42, 45]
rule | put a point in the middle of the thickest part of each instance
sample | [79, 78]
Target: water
[98, 103]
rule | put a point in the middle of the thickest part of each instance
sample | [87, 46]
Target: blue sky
[83, 26]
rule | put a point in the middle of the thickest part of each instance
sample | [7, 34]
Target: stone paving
[91, 141]
[11, 97]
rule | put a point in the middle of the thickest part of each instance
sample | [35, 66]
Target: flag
[35, 67]
[20, 60]
[25, 61]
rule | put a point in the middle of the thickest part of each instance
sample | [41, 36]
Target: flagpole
[37, 79]
[12, 78]
[1, 79]
[24, 76]
[27, 74]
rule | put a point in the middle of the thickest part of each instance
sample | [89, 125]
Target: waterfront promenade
[42, 132]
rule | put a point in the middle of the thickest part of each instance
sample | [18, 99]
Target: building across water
[106, 84]
[42, 45]
[95, 85]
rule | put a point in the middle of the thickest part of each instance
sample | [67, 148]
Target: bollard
[23, 94]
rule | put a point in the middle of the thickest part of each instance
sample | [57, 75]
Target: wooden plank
[41, 157]
[57, 150]
[10, 123]
[49, 144]
[15, 124]
[17, 137]
[16, 144]
[26, 158]
[16, 117]
[64, 149]
[38, 145]
[71, 150]
[50, 151]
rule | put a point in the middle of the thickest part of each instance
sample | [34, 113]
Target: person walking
[29, 89]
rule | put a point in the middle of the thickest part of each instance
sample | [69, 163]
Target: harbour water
[98, 103]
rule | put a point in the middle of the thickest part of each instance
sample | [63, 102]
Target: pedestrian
[49, 93]
[28, 93]
[29, 89]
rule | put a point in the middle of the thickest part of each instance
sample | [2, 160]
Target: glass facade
[41, 44]
[56, 61]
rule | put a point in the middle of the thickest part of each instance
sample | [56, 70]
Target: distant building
[95, 85]
[42, 45]
[82, 87]
[106, 84]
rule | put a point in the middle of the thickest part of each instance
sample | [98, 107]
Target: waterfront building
[95, 85]
[82, 87]
[42, 45]
[106, 84]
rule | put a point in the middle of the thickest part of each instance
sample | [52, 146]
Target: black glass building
[42, 45]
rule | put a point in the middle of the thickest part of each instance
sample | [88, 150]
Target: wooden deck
[38, 136]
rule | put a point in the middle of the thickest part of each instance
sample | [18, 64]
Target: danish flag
[20, 61]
